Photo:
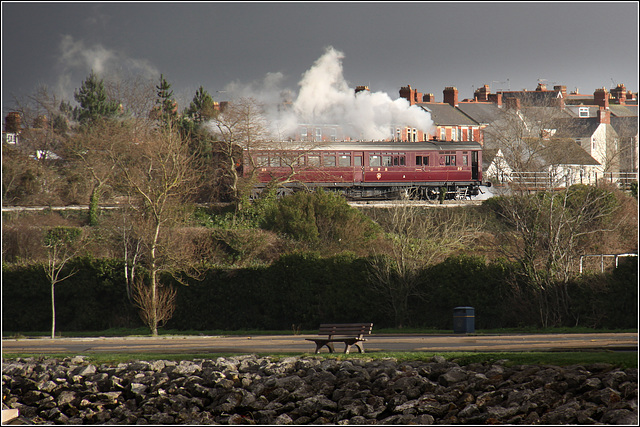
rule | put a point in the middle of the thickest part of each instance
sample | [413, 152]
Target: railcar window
[374, 161]
[313, 160]
[450, 160]
[345, 161]
[262, 161]
[465, 160]
[329, 161]
[274, 162]
[418, 160]
[357, 161]
[386, 161]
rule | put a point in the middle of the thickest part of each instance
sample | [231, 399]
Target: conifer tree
[166, 107]
[94, 102]
[202, 107]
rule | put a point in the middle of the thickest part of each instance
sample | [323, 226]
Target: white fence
[602, 258]
[537, 181]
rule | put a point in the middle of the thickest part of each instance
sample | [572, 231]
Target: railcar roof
[374, 146]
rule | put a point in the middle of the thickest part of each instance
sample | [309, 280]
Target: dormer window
[583, 112]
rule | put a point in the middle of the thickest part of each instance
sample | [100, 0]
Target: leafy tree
[94, 102]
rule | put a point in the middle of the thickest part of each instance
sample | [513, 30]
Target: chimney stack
[601, 98]
[451, 95]
[620, 94]
[428, 97]
[482, 93]
[604, 116]
[12, 123]
[411, 95]
[362, 89]
[561, 89]
[513, 103]
[541, 87]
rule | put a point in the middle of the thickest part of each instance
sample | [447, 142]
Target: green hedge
[303, 290]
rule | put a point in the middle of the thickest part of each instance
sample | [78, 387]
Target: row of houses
[567, 137]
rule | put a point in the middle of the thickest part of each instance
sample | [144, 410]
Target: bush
[320, 217]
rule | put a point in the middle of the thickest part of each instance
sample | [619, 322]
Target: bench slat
[345, 329]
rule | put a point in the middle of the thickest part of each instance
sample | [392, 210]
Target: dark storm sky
[385, 45]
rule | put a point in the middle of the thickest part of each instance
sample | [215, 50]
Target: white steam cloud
[77, 60]
[325, 98]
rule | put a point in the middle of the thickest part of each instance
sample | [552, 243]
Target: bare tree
[156, 305]
[62, 244]
[417, 237]
[160, 176]
[546, 231]
[241, 128]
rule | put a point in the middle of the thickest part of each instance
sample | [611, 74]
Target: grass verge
[619, 359]
[132, 332]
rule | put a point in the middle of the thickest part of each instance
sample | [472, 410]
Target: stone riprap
[316, 390]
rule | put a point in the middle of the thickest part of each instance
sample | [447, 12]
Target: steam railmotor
[371, 170]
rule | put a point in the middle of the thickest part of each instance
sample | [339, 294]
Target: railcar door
[474, 165]
[358, 166]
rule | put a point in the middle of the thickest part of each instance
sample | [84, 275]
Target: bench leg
[347, 347]
[329, 345]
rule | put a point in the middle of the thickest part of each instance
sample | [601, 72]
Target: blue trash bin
[464, 320]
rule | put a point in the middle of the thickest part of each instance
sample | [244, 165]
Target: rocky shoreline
[315, 390]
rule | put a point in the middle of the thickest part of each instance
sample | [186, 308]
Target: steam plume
[326, 98]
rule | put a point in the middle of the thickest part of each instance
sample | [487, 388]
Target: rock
[317, 390]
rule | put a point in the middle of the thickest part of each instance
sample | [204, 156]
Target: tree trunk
[154, 284]
[94, 207]
[53, 311]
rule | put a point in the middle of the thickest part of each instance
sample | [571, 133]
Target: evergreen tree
[202, 107]
[167, 108]
[94, 102]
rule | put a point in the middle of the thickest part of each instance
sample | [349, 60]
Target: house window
[318, 133]
[333, 134]
[443, 134]
[12, 138]
[303, 133]
[583, 111]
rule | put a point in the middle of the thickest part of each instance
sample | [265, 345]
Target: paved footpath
[297, 343]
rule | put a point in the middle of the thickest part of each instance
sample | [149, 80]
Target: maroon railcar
[372, 170]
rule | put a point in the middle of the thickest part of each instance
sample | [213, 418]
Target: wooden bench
[351, 334]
